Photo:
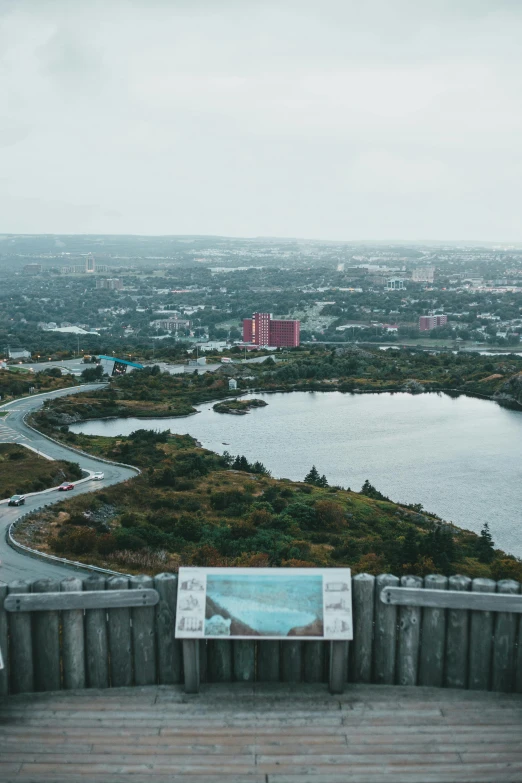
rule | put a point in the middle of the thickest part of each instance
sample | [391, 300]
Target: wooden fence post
[220, 660]
[46, 641]
[143, 636]
[504, 637]
[480, 640]
[431, 667]
[21, 647]
[291, 661]
[268, 661]
[363, 586]
[73, 638]
[409, 637]
[457, 639]
[314, 653]
[4, 643]
[96, 641]
[167, 646]
[385, 643]
[244, 660]
[120, 643]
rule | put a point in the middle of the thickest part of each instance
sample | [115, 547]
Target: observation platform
[262, 733]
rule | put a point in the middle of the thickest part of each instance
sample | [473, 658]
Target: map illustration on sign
[270, 603]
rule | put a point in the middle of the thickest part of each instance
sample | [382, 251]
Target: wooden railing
[456, 632]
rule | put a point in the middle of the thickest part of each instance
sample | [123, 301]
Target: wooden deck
[262, 734]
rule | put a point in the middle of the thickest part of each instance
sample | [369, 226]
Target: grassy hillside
[191, 506]
[22, 471]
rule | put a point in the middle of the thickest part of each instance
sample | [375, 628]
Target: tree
[313, 476]
[485, 546]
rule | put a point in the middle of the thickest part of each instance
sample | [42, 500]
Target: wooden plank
[94, 600]
[363, 589]
[4, 643]
[291, 655]
[96, 638]
[451, 599]
[457, 638]
[338, 666]
[480, 640]
[46, 641]
[431, 662]
[314, 656]
[385, 641]
[143, 634]
[409, 637]
[21, 643]
[191, 669]
[268, 661]
[167, 646]
[120, 642]
[244, 660]
[504, 637]
[73, 639]
[220, 661]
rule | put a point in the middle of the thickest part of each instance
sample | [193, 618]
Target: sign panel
[264, 603]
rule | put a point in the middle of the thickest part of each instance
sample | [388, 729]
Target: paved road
[13, 564]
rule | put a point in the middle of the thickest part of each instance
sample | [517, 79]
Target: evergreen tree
[313, 476]
[322, 482]
[485, 546]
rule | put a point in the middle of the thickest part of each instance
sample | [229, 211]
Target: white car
[98, 476]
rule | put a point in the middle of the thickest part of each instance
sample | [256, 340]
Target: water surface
[460, 457]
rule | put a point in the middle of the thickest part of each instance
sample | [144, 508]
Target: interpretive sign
[268, 603]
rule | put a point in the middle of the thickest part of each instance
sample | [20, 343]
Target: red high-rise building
[263, 330]
[429, 322]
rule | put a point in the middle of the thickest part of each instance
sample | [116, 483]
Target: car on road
[16, 500]
[98, 476]
[65, 486]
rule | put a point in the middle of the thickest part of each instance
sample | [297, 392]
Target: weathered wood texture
[73, 639]
[457, 638]
[409, 637]
[46, 641]
[264, 734]
[394, 643]
[363, 591]
[4, 642]
[120, 641]
[50, 600]
[385, 640]
[96, 639]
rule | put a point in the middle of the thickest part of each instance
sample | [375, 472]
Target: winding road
[13, 429]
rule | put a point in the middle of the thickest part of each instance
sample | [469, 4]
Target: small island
[238, 407]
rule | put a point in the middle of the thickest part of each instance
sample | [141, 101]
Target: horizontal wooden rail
[451, 599]
[97, 599]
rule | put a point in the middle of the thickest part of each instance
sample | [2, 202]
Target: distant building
[171, 324]
[32, 269]
[112, 283]
[90, 264]
[18, 354]
[395, 284]
[423, 274]
[232, 384]
[113, 366]
[429, 322]
[262, 329]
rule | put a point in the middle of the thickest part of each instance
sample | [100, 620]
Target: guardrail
[404, 634]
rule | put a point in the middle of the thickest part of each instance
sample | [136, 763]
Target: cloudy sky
[332, 119]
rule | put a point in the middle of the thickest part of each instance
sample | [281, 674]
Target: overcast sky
[331, 119]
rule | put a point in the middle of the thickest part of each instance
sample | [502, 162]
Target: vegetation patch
[23, 471]
[238, 407]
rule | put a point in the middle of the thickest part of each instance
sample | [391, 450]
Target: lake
[460, 457]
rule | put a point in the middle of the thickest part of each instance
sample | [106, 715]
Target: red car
[65, 486]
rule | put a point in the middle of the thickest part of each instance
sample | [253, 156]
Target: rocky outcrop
[413, 386]
[510, 393]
